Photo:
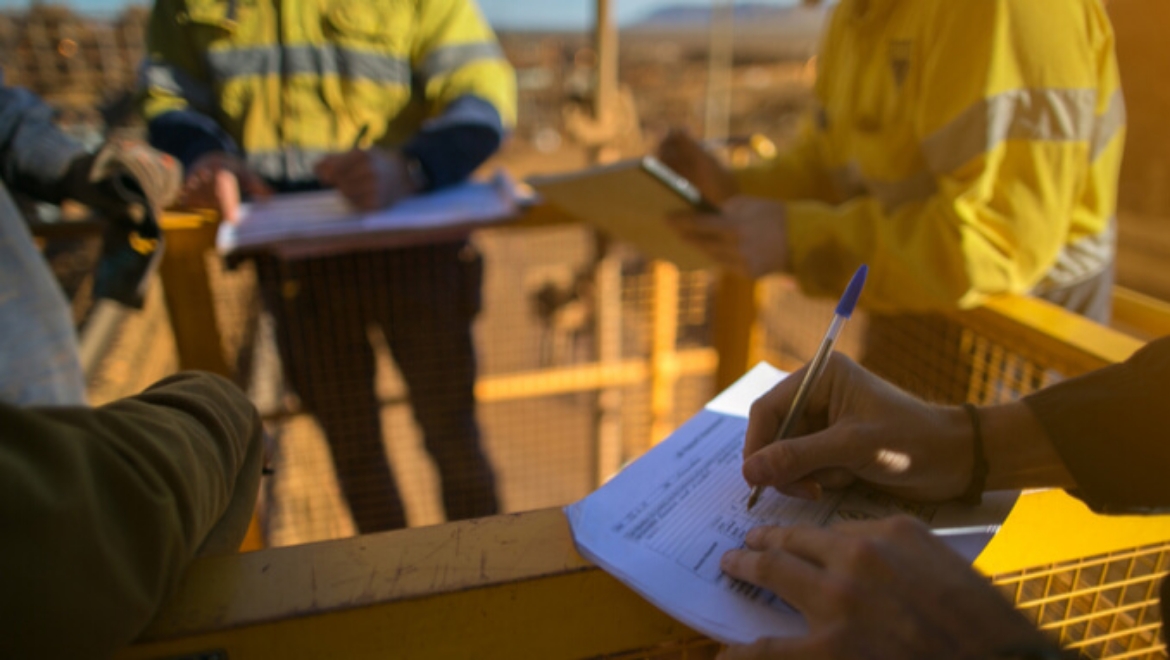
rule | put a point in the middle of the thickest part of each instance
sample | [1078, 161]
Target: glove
[130, 184]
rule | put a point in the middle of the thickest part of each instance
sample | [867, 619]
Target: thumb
[227, 195]
[788, 461]
[252, 184]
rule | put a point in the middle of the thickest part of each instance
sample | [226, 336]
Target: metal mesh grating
[1102, 607]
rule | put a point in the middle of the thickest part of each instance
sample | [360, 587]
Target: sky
[503, 14]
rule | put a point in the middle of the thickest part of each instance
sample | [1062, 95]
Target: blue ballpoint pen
[817, 366]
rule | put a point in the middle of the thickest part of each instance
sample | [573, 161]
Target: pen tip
[852, 292]
[753, 498]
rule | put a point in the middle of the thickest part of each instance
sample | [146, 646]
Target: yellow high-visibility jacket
[960, 148]
[293, 80]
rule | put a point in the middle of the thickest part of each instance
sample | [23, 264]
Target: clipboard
[317, 223]
[630, 200]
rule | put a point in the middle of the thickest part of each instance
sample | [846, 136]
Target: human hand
[369, 178]
[884, 589]
[683, 154]
[215, 182]
[858, 426]
[749, 235]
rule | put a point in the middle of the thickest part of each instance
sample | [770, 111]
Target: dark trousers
[923, 354]
[424, 299]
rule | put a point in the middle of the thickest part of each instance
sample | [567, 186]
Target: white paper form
[296, 224]
[663, 523]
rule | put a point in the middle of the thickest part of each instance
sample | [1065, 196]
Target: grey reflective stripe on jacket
[308, 59]
[174, 80]
[1047, 115]
[442, 61]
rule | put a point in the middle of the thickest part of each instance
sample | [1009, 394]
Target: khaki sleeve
[103, 509]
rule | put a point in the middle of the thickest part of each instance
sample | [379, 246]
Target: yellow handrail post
[189, 299]
[735, 332]
[663, 357]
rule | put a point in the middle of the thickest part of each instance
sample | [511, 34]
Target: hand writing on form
[887, 589]
[215, 182]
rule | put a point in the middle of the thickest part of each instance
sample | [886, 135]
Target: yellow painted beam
[502, 587]
[1049, 334]
[187, 219]
[586, 377]
[1047, 527]
[1139, 313]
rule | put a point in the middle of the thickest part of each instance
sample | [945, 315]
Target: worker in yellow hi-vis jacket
[960, 148]
[381, 100]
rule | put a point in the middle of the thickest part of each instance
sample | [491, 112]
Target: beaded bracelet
[974, 493]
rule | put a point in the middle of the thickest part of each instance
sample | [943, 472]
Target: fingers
[227, 195]
[711, 234]
[770, 409]
[252, 184]
[678, 150]
[703, 227]
[786, 462]
[785, 574]
[903, 529]
[216, 181]
[334, 170]
[818, 546]
[356, 176]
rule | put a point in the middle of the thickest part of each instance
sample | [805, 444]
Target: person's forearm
[34, 154]
[1018, 451]
[452, 146]
[187, 135]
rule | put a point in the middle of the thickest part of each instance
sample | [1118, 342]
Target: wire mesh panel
[564, 329]
[939, 358]
[1102, 607]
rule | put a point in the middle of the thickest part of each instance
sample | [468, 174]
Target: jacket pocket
[377, 23]
[224, 15]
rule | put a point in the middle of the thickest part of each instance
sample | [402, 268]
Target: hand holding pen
[817, 366]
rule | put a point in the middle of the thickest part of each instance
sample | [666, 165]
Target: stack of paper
[662, 524]
[322, 221]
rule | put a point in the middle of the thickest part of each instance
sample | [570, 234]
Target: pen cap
[852, 293]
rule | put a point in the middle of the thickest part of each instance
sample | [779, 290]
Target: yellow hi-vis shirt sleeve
[1012, 115]
[172, 76]
[457, 54]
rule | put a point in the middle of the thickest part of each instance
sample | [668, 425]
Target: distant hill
[758, 27]
[688, 15]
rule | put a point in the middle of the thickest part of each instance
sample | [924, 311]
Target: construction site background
[542, 285]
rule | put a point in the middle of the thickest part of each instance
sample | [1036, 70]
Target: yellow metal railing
[513, 586]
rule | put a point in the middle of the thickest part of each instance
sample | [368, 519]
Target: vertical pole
[606, 44]
[608, 277]
[736, 331]
[190, 301]
[721, 45]
[663, 358]
[608, 454]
